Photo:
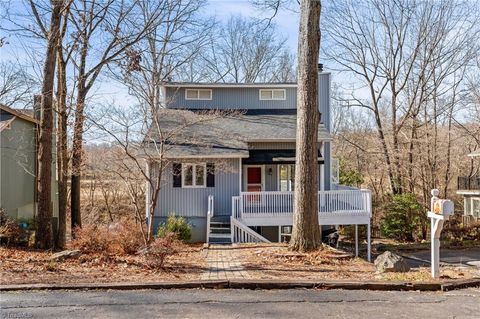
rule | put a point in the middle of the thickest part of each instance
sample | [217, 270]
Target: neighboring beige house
[18, 163]
[469, 188]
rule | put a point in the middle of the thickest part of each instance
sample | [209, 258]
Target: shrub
[403, 217]
[456, 232]
[158, 251]
[10, 230]
[128, 237]
[93, 239]
[121, 238]
[176, 225]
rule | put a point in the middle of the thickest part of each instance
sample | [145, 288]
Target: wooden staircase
[220, 231]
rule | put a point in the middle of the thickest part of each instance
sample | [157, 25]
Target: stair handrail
[210, 210]
[244, 228]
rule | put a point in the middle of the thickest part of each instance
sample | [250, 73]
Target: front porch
[253, 210]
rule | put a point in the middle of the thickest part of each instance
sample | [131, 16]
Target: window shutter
[210, 175]
[177, 174]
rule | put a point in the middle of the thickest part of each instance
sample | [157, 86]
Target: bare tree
[15, 84]
[44, 234]
[105, 30]
[306, 231]
[247, 50]
[394, 48]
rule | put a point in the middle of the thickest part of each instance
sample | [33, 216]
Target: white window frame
[194, 175]
[198, 94]
[273, 98]
[279, 178]
[472, 200]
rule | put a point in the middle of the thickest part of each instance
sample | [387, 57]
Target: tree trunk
[306, 230]
[62, 156]
[77, 147]
[44, 234]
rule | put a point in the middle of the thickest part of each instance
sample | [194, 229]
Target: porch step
[220, 219]
[215, 235]
[219, 230]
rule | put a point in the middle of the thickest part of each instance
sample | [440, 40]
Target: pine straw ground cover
[19, 266]
[275, 261]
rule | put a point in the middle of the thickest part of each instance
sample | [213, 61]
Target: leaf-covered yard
[33, 266]
[258, 261]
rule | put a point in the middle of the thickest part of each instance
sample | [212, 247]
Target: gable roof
[191, 133]
[26, 115]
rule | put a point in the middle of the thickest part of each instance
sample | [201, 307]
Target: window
[272, 94]
[476, 207]
[194, 175]
[285, 234]
[198, 94]
[286, 177]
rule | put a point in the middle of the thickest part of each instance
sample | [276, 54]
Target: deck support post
[369, 244]
[356, 240]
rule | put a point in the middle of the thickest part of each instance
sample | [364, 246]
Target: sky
[286, 24]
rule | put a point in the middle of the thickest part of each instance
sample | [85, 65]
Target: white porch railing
[272, 204]
[210, 211]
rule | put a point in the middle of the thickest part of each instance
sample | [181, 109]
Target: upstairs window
[198, 94]
[272, 94]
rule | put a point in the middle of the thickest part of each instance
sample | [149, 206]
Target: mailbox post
[440, 210]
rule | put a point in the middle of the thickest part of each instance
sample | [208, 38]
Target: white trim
[240, 85]
[206, 156]
[278, 177]
[273, 98]
[468, 192]
[198, 94]
[194, 173]
[240, 173]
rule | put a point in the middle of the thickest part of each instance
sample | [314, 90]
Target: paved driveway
[240, 304]
[455, 257]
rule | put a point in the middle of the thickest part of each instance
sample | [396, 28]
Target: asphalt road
[240, 304]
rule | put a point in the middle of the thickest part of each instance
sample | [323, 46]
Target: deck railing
[468, 183]
[262, 204]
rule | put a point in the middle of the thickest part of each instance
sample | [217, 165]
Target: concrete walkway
[222, 265]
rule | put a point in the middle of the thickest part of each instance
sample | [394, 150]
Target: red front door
[254, 179]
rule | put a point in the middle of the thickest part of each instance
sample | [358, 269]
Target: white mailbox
[443, 207]
[440, 210]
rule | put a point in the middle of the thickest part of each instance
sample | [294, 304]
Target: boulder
[391, 262]
[66, 254]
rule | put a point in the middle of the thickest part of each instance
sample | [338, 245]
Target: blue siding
[248, 98]
[231, 98]
[192, 202]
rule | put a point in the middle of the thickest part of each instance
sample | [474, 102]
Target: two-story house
[230, 161]
[469, 188]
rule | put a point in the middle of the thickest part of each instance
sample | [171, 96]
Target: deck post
[369, 248]
[356, 240]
